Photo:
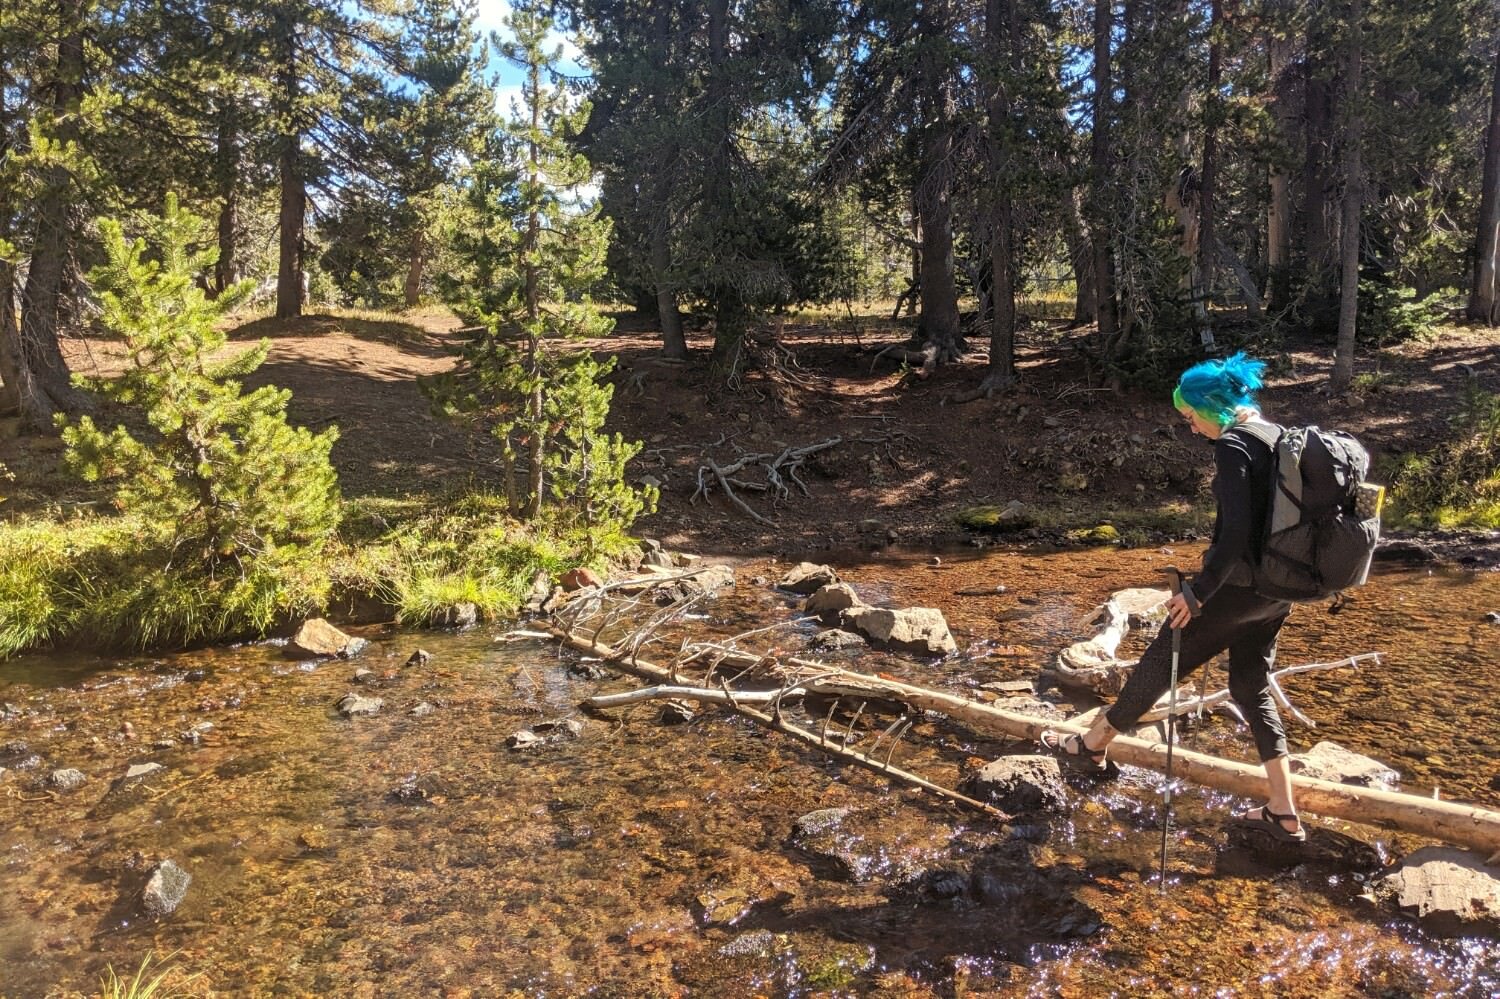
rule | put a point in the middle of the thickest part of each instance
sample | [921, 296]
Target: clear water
[408, 854]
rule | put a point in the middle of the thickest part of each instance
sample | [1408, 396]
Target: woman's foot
[1072, 751]
[1286, 828]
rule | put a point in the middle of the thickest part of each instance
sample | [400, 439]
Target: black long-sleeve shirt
[1242, 493]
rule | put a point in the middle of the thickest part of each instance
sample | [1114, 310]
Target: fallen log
[1449, 822]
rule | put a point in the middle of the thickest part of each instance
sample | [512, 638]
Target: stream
[413, 853]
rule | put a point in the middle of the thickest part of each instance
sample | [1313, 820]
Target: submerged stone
[1330, 761]
[1019, 784]
[352, 705]
[165, 889]
[66, 780]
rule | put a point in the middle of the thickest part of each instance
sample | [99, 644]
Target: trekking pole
[1174, 580]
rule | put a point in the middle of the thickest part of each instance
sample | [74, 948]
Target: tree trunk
[1319, 182]
[42, 383]
[227, 267]
[938, 322]
[536, 404]
[1081, 259]
[293, 216]
[731, 316]
[1208, 247]
[10, 338]
[1003, 29]
[1279, 212]
[416, 257]
[1099, 159]
[1343, 358]
[1482, 296]
[674, 341]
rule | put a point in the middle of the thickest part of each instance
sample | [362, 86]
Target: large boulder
[828, 601]
[1330, 761]
[1453, 892]
[1019, 784]
[317, 637]
[914, 629]
[807, 578]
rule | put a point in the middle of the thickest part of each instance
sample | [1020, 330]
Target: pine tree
[532, 254]
[224, 473]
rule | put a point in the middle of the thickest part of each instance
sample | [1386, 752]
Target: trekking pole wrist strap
[1194, 607]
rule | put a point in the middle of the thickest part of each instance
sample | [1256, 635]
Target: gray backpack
[1319, 537]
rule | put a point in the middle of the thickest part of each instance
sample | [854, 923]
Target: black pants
[1239, 620]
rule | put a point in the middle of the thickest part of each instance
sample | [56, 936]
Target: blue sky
[491, 17]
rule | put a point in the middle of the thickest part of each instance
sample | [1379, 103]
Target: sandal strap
[1084, 750]
[1265, 811]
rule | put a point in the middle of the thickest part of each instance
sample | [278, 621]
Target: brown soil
[909, 457]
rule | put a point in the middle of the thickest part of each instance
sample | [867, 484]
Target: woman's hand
[1178, 613]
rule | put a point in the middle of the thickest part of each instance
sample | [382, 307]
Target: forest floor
[1074, 453]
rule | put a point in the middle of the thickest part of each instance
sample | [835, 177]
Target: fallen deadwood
[778, 469]
[1450, 822]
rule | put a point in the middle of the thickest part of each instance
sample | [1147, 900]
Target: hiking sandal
[1269, 822]
[1069, 750]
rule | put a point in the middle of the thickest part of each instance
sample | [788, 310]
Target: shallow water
[415, 855]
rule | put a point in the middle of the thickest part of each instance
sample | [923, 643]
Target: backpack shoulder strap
[1262, 430]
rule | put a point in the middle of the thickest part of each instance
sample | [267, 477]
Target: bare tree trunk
[10, 336]
[227, 267]
[1104, 266]
[1208, 247]
[416, 257]
[1319, 182]
[293, 216]
[41, 375]
[1003, 30]
[1343, 358]
[673, 340]
[1081, 259]
[536, 404]
[938, 321]
[1482, 296]
[1279, 213]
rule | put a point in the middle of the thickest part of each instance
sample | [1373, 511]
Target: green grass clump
[1457, 483]
[112, 986]
[117, 583]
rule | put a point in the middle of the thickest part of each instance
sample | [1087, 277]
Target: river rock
[807, 578]
[1330, 761]
[560, 728]
[316, 637]
[1019, 784]
[708, 580]
[915, 629]
[1404, 550]
[165, 889]
[1493, 617]
[537, 593]
[422, 709]
[1143, 607]
[577, 579]
[1452, 892]
[138, 772]
[460, 615]
[833, 640]
[1323, 847]
[421, 657]
[659, 558]
[66, 780]
[363, 675]
[828, 601]
[524, 739]
[352, 705]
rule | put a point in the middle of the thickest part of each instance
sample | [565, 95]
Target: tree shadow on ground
[409, 336]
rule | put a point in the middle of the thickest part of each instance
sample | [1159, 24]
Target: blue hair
[1218, 390]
